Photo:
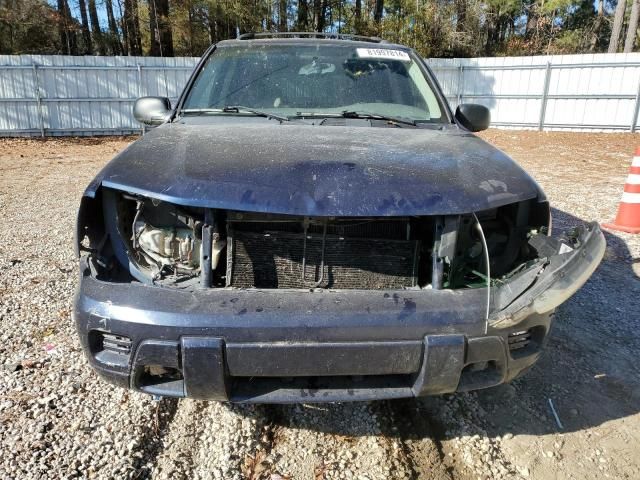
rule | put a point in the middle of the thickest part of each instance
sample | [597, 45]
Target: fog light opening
[480, 375]
[157, 374]
[525, 342]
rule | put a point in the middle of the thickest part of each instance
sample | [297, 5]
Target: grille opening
[280, 260]
[323, 253]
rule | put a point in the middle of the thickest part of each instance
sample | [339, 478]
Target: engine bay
[168, 245]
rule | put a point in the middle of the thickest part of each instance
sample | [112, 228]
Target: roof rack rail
[337, 36]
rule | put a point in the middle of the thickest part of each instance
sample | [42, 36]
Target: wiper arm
[260, 113]
[353, 114]
[375, 116]
[236, 109]
[200, 110]
[319, 114]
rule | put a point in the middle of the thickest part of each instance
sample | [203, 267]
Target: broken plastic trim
[562, 275]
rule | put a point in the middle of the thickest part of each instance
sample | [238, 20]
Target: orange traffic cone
[628, 218]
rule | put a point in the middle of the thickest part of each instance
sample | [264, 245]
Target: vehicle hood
[319, 170]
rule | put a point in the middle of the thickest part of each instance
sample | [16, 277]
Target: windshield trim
[422, 65]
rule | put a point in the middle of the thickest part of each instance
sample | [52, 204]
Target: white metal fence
[46, 95]
[558, 92]
[64, 95]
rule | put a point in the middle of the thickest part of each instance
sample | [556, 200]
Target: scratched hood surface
[319, 170]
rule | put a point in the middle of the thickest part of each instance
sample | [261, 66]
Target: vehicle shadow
[588, 369]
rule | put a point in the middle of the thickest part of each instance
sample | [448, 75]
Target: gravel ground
[58, 420]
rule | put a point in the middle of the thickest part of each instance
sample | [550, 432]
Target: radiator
[283, 259]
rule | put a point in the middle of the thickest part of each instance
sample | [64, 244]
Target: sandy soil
[58, 420]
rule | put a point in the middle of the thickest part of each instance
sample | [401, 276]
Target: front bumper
[288, 346]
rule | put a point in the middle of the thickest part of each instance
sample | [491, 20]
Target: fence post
[636, 108]
[36, 81]
[139, 68]
[545, 94]
[139, 75]
[460, 83]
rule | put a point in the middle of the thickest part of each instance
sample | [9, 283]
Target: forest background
[435, 28]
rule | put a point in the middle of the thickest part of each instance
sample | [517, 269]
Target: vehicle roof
[312, 41]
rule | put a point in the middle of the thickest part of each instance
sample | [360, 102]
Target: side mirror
[473, 117]
[152, 110]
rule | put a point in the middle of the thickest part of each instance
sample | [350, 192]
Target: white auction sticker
[385, 53]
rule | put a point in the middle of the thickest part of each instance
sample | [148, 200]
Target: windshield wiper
[260, 113]
[375, 116]
[237, 109]
[363, 115]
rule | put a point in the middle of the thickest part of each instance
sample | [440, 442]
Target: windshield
[301, 80]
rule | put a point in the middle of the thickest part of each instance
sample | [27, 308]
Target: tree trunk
[221, 19]
[358, 17]
[160, 28]
[323, 15]
[132, 27]
[62, 31]
[317, 13]
[65, 29]
[114, 35]
[282, 15]
[597, 27]
[212, 23]
[86, 33]
[377, 13]
[191, 20]
[618, 19]
[303, 16]
[502, 29]
[95, 27]
[7, 48]
[493, 33]
[633, 27]
[124, 29]
[269, 17]
[155, 49]
[532, 20]
[461, 10]
[71, 30]
[166, 32]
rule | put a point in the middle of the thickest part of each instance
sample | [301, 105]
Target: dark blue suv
[311, 222]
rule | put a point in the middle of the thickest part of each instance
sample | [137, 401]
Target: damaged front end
[507, 249]
[415, 305]
[563, 265]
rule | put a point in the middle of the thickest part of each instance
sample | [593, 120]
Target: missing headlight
[176, 249]
[160, 242]
[508, 230]
[165, 240]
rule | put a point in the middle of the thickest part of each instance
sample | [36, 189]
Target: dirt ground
[57, 420]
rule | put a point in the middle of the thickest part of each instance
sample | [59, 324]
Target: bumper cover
[289, 346]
